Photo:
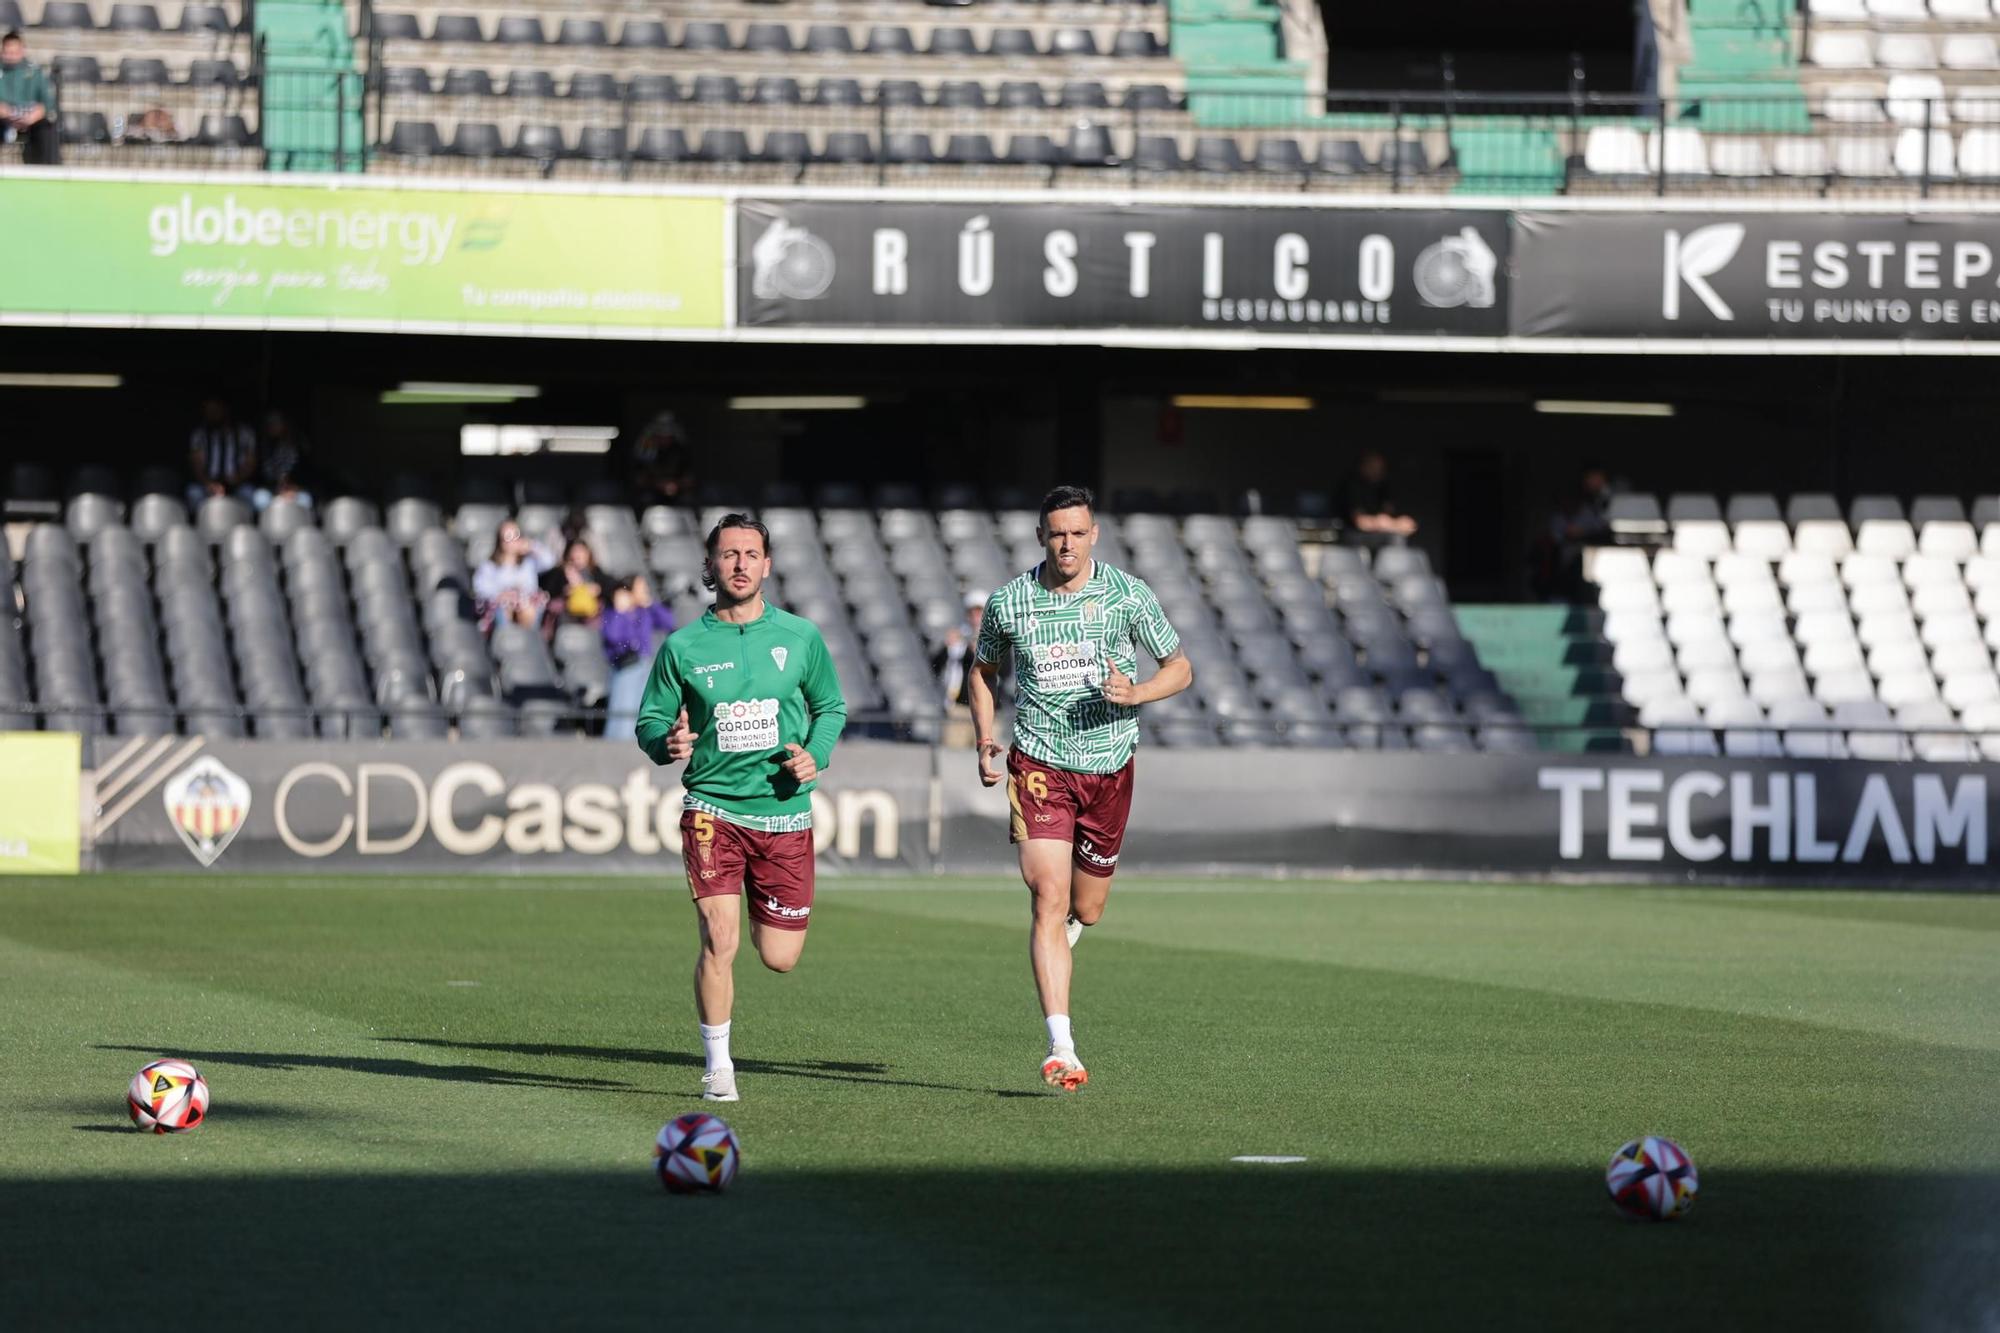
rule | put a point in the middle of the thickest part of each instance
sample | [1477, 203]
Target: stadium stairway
[1554, 663]
[1238, 72]
[1743, 51]
[312, 92]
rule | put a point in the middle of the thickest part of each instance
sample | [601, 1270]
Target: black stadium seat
[970, 150]
[659, 143]
[67, 14]
[705, 36]
[787, 146]
[143, 72]
[1808, 506]
[717, 88]
[410, 79]
[1148, 97]
[1753, 508]
[1343, 157]
[1033, 150]
[456, 28]
[540, 143]
[204, 18]
[531, 83]
[847, 147]
[907, 148]
[965, 94]
[520, 30]
[476, 139]
[1090, 146]
[837, 92]
[777, 90]
[1218, 153]
[392, 27]
[1018, 94]
[890, 40]
[726, 146]
[1073, 42]
[593, 85]
[582, 32]
[1007, 43]
[468, 83]
[414, 138]
[1693, 507]
[644, 35]
[653, 88]
[601, 143]
[1083, 94]
[899, 92]
[134, 18]
[769, 38]
[85, 127]
[1157, 152]
[1138, 42]
[1279, 154]
[829, 39]
[79, 70]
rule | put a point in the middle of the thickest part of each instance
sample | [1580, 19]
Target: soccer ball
[1652, 1178]
[167, 1096]
[696, 1154]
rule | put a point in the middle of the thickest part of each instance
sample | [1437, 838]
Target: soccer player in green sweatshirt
[747, 695]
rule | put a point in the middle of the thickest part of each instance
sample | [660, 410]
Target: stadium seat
[519, 30]
[582, 32]
[644, 35]
[72, 15]
[1905, 51]
[705, 35]
[1931, 155]
[1841, 50]
[456, 28]
[1917, 99]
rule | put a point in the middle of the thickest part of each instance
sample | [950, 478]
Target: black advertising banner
[1849, 276]
[1097, 266]
[582, 807]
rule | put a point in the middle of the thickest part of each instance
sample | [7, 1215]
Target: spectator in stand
[1368, 507]
[662, 466]
[28, 105]
[1582, 521]
[951, 663]
[576, 586]
[283, 465]
[633, 628]
[222, 455]
[508, 584]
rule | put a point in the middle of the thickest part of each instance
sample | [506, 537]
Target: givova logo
[1693, 259]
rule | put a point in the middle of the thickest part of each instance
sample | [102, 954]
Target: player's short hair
[715, 535]
[13, 35]
[1067, 497]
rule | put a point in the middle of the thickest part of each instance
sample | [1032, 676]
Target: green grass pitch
[434, 1102]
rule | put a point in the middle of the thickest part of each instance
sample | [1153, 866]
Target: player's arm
[826, 713]
[1158, 637]
[662, 729]
[982, 686]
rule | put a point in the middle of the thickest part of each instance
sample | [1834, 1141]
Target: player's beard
[727, 597]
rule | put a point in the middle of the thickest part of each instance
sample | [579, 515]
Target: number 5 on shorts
[704, 836]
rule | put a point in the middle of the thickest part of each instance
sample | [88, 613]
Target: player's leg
[1104, 805]
[1045, 868]
[714, 862]
[778, 875]
[1043, 822]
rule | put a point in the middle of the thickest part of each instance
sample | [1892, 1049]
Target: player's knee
[1088, 913]
[779, 962]
[720, 942]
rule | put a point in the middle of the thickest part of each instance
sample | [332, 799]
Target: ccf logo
[206, 804]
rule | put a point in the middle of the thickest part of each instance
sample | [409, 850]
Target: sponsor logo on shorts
[776, 908]
[1092, 855]
[1041, 818]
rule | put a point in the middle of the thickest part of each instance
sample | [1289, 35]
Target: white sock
[715, 1046]
[1059, 1032]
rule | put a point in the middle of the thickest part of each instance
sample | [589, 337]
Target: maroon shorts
[1086, 810]
[774, 869]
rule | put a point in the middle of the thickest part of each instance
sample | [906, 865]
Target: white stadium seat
[1813, 739]
[1765, 655]
[1740, 598]
[1986, 602]
[1834, 657]
[1637, 657]
[1945, 630]
[1921, 571]
[1873, 599]
[1961, 11]
[1984, 720]
[1738, 157]
[1695, 625]
[1969, 50]
[1906, 687]
[1707, 687]
[1948, 538]
[1842, 11]
[1989, 540]
[1766, 540]
[1979, 158]
[1614, 150]
[1754, 628]
[1707, 537]
[1690, 597]
[1936, 735]
[1940, 163]
[1873, 733]
[1980, 106]
[1905, 50]
[1628, 597]
[1863, 159]
[1670, 567]
[1706, 655]
[1864, 568]
[1824, 536]
[1982, 571]
[1918, 99]
[1885, 628]
[1853, 104]
[1808, 597]
[1808, 567]
[1621, 626]
[1891, 537]
[1800, 155]
[1744, 567]
[1941, 599]
[1899, 11]
[1962, 659]
[1653, 685]
[1619, 564]
[1842, 50]
[1962, 692]
[1891, 658]
[1685, 150]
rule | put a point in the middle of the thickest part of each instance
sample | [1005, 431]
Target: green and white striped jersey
[1061, 644]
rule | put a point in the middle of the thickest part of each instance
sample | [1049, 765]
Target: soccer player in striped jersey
[1075, 628]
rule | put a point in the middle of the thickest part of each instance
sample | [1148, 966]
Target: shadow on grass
[115, 1120]
[833, 1071]
[1248, 1247]
[506, 1078]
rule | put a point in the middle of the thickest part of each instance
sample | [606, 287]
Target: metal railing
[1576, 142]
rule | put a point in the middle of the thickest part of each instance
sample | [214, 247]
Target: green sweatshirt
[749, 690]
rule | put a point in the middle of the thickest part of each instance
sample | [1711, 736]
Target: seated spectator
[283, 465]
[222, 455]
[633, 628]
[508, 584]
[28, 105]
[662, 466]
[952, 662]
[1367, 506]
[1582, 521]
[576, 586]
[155, 124]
